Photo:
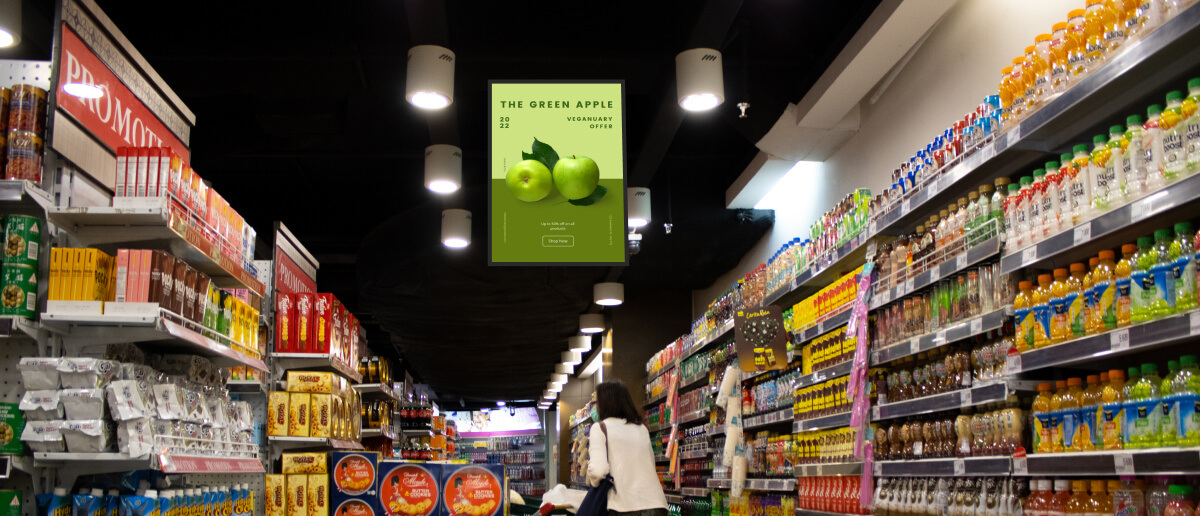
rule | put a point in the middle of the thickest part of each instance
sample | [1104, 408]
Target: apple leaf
[542, 152]
[596, 195]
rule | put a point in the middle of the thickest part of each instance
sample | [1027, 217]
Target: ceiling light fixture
[456, 228]
[580, 344]
[594, 364]
[553, 387]
[608, 294]
[591, 323]
[558, 378]
[549, 394]
[564, 368]
[699, 79]
[571, 357]
[10, 22]
[499, 403]
[443, 168]
[638, 200]
[429, 83]
[485, 410]
[83, 90]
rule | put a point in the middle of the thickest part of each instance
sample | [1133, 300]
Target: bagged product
[86, 372]
[41, 405]
[44, 436]
[83, 403]
[166, 434]
[168, 401]
[135, 437]
[125, 400]
[39, 373]
[195, 408]
[86, 436]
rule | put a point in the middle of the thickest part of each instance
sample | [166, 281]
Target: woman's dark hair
[613, 400]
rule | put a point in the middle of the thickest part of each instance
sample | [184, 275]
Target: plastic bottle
[1091, 312]
[1170, 411]
[1123, 278]
[1039, 498]
[1145, 418]
[1183, 252]
[1133, 161]
[1077, 505]
[1076, 435]
[1099, 499]
[1060, 321]
[1128, 500]
[1114, 171]
[1152, 149]
[1114, 27]
[1056, 415]
[1041, 69]
[1037, 192]
[970, 215]
[1142, 281]
[1097, 172]
[1022, 215]
[1112, 411]
[1162, 268]
[1081, 185]
[1076, 315]
[1076, 45]
[1041, 312]
[1174, 160]
[1059, 79]
[1105, 288]
[1179, 501]
[1092, 417]
[1017, 83]
[1023, 314]
[1157, 497]
[1186, 390]
[1006, 93]
[1191, 123]
[1096, 17]
[1050, 205]
[1032, 69]
[1066, 175]
[998, 207]
[1011, 205]
[1043, 420]
[1058, 502]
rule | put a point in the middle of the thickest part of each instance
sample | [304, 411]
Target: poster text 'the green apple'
[556, 104]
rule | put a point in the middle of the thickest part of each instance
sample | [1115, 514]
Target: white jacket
[630, 461]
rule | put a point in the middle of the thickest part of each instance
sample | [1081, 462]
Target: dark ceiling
[301, 118]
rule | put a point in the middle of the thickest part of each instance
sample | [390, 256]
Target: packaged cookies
[277, 413]
[310, 381]
[307, 463]
[276, 502]
[299, 405]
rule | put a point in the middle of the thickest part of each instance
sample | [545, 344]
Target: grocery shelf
[172, 332]
[979, 394]
[658, 427]
[246, 386]
[821, 423]
[315, 361]
[1163, 332]
[717, 335]
[834, 322]
[389, 432]
[768, 419]
[948, 467]
[160, 227]
[960, 263]
[416, 432]
[376, 390]
[656, 399]
[697, 454]
[288, 443]
[828, 267]
[828, 373]
[1111, 229]
[755, 484]
[693, 491]
[663, 370]
[716, 430]
[18, 190]
[806, 512]
[695, 415]
[97, 463]
[1152, 461]
[661, 458]
[958, 331]
[696, 380]
[829, 470]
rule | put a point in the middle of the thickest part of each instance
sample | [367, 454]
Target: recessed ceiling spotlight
[699, 79]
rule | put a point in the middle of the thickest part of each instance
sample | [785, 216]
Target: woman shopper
[620, 446]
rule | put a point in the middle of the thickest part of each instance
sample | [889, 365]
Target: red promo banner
[289, 278]
[118, 118]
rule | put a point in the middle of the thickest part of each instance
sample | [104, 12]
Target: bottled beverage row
[994, 430]
[980, 358]
[416, 413]
[830, 494]
[1128, 496]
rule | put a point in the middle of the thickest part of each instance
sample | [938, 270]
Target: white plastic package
[135, 437]
[39, 373]
[125, 401]
[83, 404]
[168, 401]
[41, 405]
[166, 434]
[86, 372]
[86, 436]
[44, 436]
[739, 476]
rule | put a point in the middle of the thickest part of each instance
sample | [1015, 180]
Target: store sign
[118, 118]
[295, 268]
[557, 167]
[760, 338]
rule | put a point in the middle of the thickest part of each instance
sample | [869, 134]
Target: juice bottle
[1098, 172]
[1060, 321]
[1096, 17]
[1099, 499]
[1056, 416]
[1183, 252]
[1006, 93]
[1041, 312]
[1170, 411]
[1152, 148]
[1112, 411]
[1124, 281]
[1105, 315]
[1186, 389]
[1039, 499]
[1050, 207]
[1041, 68]
[1114, 174]
[1174, 160]
[1011, 207]
[1162, 268]
[1022, 219]
[1077, 504]
[1142, 281]
[1145, 418]
[1128, 499]
[1076, 434]
[1017, 83]
[1066, 175]
[1043, 420]
[1058, 502]
[1059, 79]
[1076, 316]
[1077, 64]
[1191, 123]
[1157, 497]
[1031, 68]
[1132, 161]
[1091, 414]
[1179, 501]
[1133, 19]
[1091, 311]
[997, 204]
[1114, 27]
[1023, 313]
[1037, 191]
[1081, 185]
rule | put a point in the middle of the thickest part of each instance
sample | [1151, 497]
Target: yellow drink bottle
[1112, 410]
[1076, 433]
[1089, 299]
[1056, 413]
[1104, 292]
[1124, 281]
[1076, 315]
[1060, 322]
[1043, 422]
[1023, 312]
[1041, 312]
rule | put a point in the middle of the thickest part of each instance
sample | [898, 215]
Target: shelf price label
[914, 346]
[933, 190]
[905, 206]
[941, 337]
[935, 274]
[1020, 465]
[960, 262]
[871, 228]
[875, 416]
[1029, 255]
[1123, 463]
[965, 398]
[908, 286]
[1013, 364]
[1119, 340]
[960, 467]
[976, 326]
[1083, 233]
[1194, 323]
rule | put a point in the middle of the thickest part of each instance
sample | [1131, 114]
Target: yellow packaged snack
[299, 406]
[277, 413]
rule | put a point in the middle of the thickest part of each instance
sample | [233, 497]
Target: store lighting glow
[594, 364]
[443, 168]
[549, 395]
[429, 83]
[80, 89]
[553, 387]
[591, 323]
[581, 344]
[499, 403]
[638, 200]
[10, 22]
[564, 368]
[608, 294]
[558, 378]
[485, 410]
[571, 357]
[699, 79]
[456, 228]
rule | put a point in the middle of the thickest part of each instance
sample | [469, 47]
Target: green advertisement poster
[557, 168]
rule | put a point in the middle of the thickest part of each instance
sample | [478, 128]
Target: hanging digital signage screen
[557, 169]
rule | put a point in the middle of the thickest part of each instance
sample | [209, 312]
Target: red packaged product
[322, 332]
[119, 174]
[339, 331]
[304, 323]
[285, 322]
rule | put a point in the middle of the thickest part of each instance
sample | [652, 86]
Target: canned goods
[22, 234]
[24, 156]
[27, 109]
[18, 294]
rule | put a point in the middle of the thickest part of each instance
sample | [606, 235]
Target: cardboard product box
[188, 310]
[335, 341]
[322, 333]
[179, 290]
[297, 500]
[318, 495]
[119, 173]
[408, 489]
[12, 424]
[163, 179]
[299, 407]
[276, 501]
[122, 276]
[320, 420]
[201, 298]
[310, 381]
[336, 428]
[305, 463]
[155, 155]
[473, 490]
[355, 474]
[304, 323]
[143, 273]
[277, 413]
[10, 503]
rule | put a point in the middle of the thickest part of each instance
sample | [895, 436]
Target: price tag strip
[1083, 233]
[1123, 463]
[1119, 339]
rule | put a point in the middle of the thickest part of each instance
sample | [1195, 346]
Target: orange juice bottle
[1112, 410]
[1043, 420]
[1058, 502]
[1123, 278]
[1060, 322]
[1059, 78]
[1077, 505]
[1056, 413]
[1018, 84]
[1090, 299]
[1076, 316]
[1105, 288]
[1091, 409]
[1023, 313]
[1096, 17]
[1114, 28]
[1041, 70]
[1006, 93]
[1041, 312]
[1097, 498]
[1076, 434]
[1076, 44]
[1031, 67]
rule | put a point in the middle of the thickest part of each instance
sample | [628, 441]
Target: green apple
[576, 177]
[529, 180]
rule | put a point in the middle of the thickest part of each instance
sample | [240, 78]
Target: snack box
[410, 489]
[297, 492]
[277, 413]
[318, 495]
[473, 490]
[310, 381]
[299, 408]
[307, 463]
[304, 324]
[320, 417]
[276, 503]
[12, 424]
[324, 306]
[285, 323]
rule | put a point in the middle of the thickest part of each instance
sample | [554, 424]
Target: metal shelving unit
[961, 330]
[949, 467]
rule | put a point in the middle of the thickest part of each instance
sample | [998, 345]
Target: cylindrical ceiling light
[580, 344]
[571, 357]
[699, 79]
[638, 200]
[553, 387]
[558, 378]
[564, 368]
[456, 228]
[10, 22]
[608, 294]
[549, 395]
[430, 80]
[499, 403]
[590, 323]
[443, 168]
